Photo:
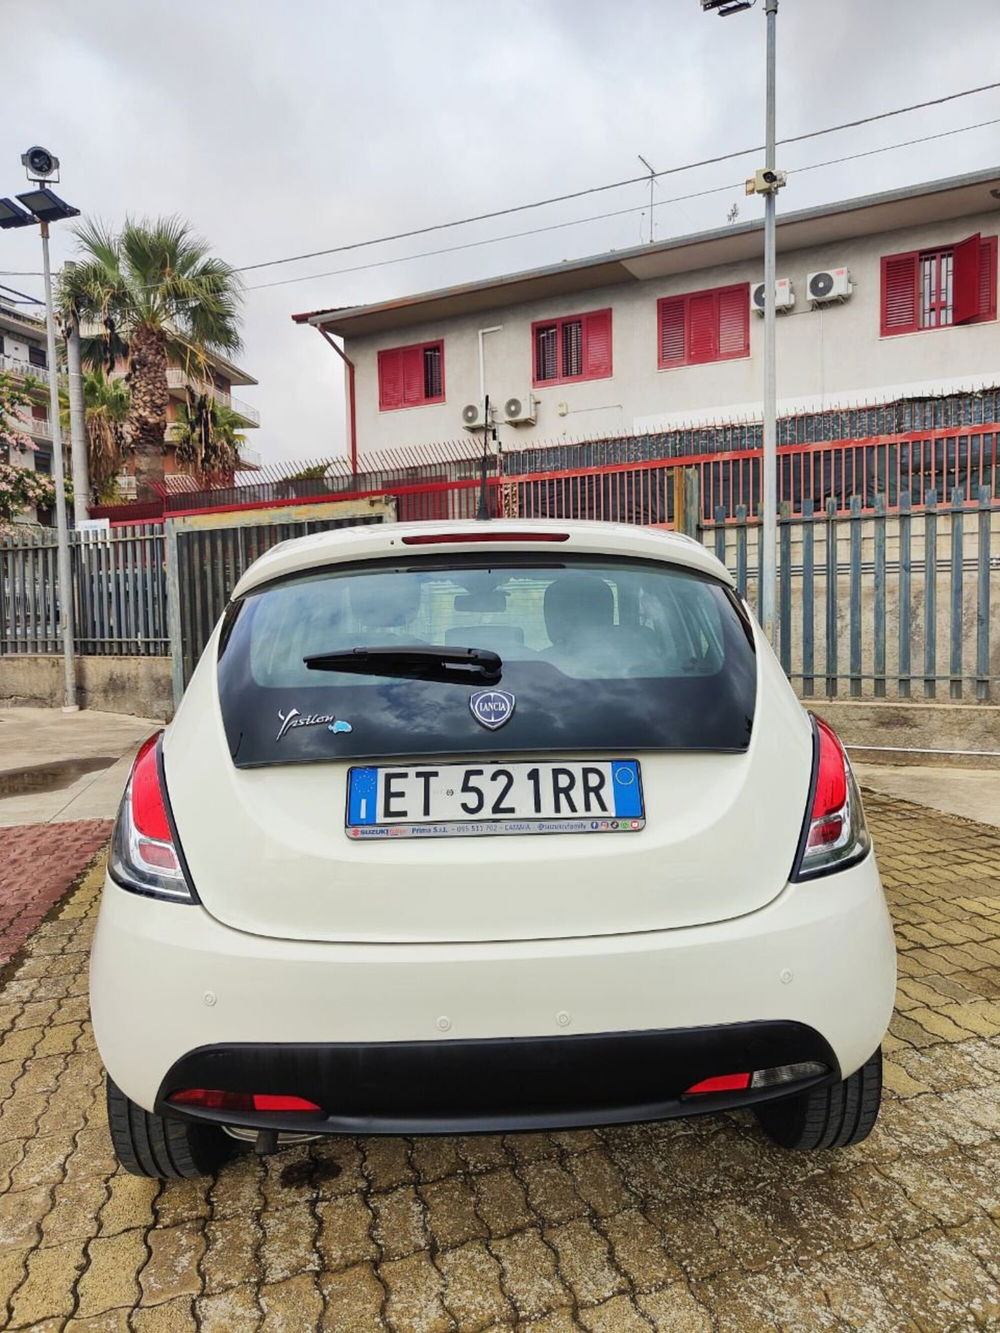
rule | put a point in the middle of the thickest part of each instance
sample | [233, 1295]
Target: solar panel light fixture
[726, 7]
[40, 165]
[46, 206]
[11, 215]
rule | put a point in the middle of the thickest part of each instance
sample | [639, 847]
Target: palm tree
[105, 412]
[154, 287]
[208, 435]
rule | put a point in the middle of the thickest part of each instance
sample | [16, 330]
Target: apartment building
[23, 354]
[879, 298]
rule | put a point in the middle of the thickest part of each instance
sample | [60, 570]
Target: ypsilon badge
[492, 708]
[293, 718]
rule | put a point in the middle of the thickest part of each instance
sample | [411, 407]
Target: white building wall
[827, 357]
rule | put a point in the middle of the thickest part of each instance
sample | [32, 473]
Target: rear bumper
[168, 981]
[457, 1087]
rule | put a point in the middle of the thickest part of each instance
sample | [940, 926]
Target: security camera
[40, 164]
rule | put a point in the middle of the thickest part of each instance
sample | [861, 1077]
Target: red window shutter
[703, 327]
[900, 304]
[988, 278]
[673, 343]
[966, 285]
[597, 345]
[412, 359]
[390, 380]
[734, 322]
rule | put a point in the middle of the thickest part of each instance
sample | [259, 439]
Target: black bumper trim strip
[488, 1085]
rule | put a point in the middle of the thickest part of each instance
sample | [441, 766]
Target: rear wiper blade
[440, 663]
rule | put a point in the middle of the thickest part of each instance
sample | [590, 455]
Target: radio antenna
[483, 512]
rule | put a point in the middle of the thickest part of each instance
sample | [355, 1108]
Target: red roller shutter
[702, 328]
[673, 345]
[966, 280]
[413, 375]
[734, 321]
[988, 278]
[597, 345]
[390, 380]
[900, 303]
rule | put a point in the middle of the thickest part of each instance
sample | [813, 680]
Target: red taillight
[826, 819]
[145, 857]
[485, 535]
[835, 835]
[722, 1083]
[213, 1099]
[149, 813]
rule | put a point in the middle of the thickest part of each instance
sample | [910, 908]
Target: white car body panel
[287, 868]
[822, 954]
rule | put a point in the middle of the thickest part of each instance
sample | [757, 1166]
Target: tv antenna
[652, 183]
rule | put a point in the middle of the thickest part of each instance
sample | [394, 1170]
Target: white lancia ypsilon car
[486, 827]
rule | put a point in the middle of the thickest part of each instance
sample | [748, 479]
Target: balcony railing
[15, 366]
[178, 379]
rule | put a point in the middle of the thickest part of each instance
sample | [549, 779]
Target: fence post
[957, 580]
[720, 533]
[173, 608]
[831, 598]
[785, 588]
[983, 596]
[930, 595]
[905, 581]
[808, 598]
[855, 593]
[741, 550]
[878, 610]
[687, 501]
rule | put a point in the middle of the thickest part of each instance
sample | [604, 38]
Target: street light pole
[769, 479]
[62, 532]
[766, 182]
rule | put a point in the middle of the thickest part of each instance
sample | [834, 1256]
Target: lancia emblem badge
[492, 708]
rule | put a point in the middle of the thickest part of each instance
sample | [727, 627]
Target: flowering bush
[15, 404]
[20, 489]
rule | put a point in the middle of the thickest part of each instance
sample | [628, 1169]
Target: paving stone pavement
[37, 866]
[692, 1226]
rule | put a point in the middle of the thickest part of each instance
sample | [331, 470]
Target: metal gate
[206, 554]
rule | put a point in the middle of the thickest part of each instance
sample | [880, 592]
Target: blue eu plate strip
[625, 785]
[362, 800]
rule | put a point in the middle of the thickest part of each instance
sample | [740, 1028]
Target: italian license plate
[473, 800]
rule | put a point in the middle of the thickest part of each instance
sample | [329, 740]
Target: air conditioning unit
[520, 410]
[784, 297]
[474, 416]
[832, 284]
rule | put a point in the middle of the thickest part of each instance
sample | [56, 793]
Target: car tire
[830, 1117]
[161, 1147]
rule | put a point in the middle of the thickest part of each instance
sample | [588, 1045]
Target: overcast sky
[283, 126]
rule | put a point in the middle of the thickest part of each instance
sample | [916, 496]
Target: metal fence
[878, 604]
[882, 593]
[119, 593]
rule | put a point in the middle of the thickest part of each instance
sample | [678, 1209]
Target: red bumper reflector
[455, 538]
[212, 1099]
[722, 1083]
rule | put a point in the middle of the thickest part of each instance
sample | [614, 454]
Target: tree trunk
[147, 417]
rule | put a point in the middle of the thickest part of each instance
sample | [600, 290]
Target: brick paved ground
[689, 1227]
[38, 863]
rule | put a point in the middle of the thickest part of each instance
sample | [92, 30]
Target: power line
[617, 213]
[614, 185]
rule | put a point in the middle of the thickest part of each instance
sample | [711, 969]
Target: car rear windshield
[595, 655]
